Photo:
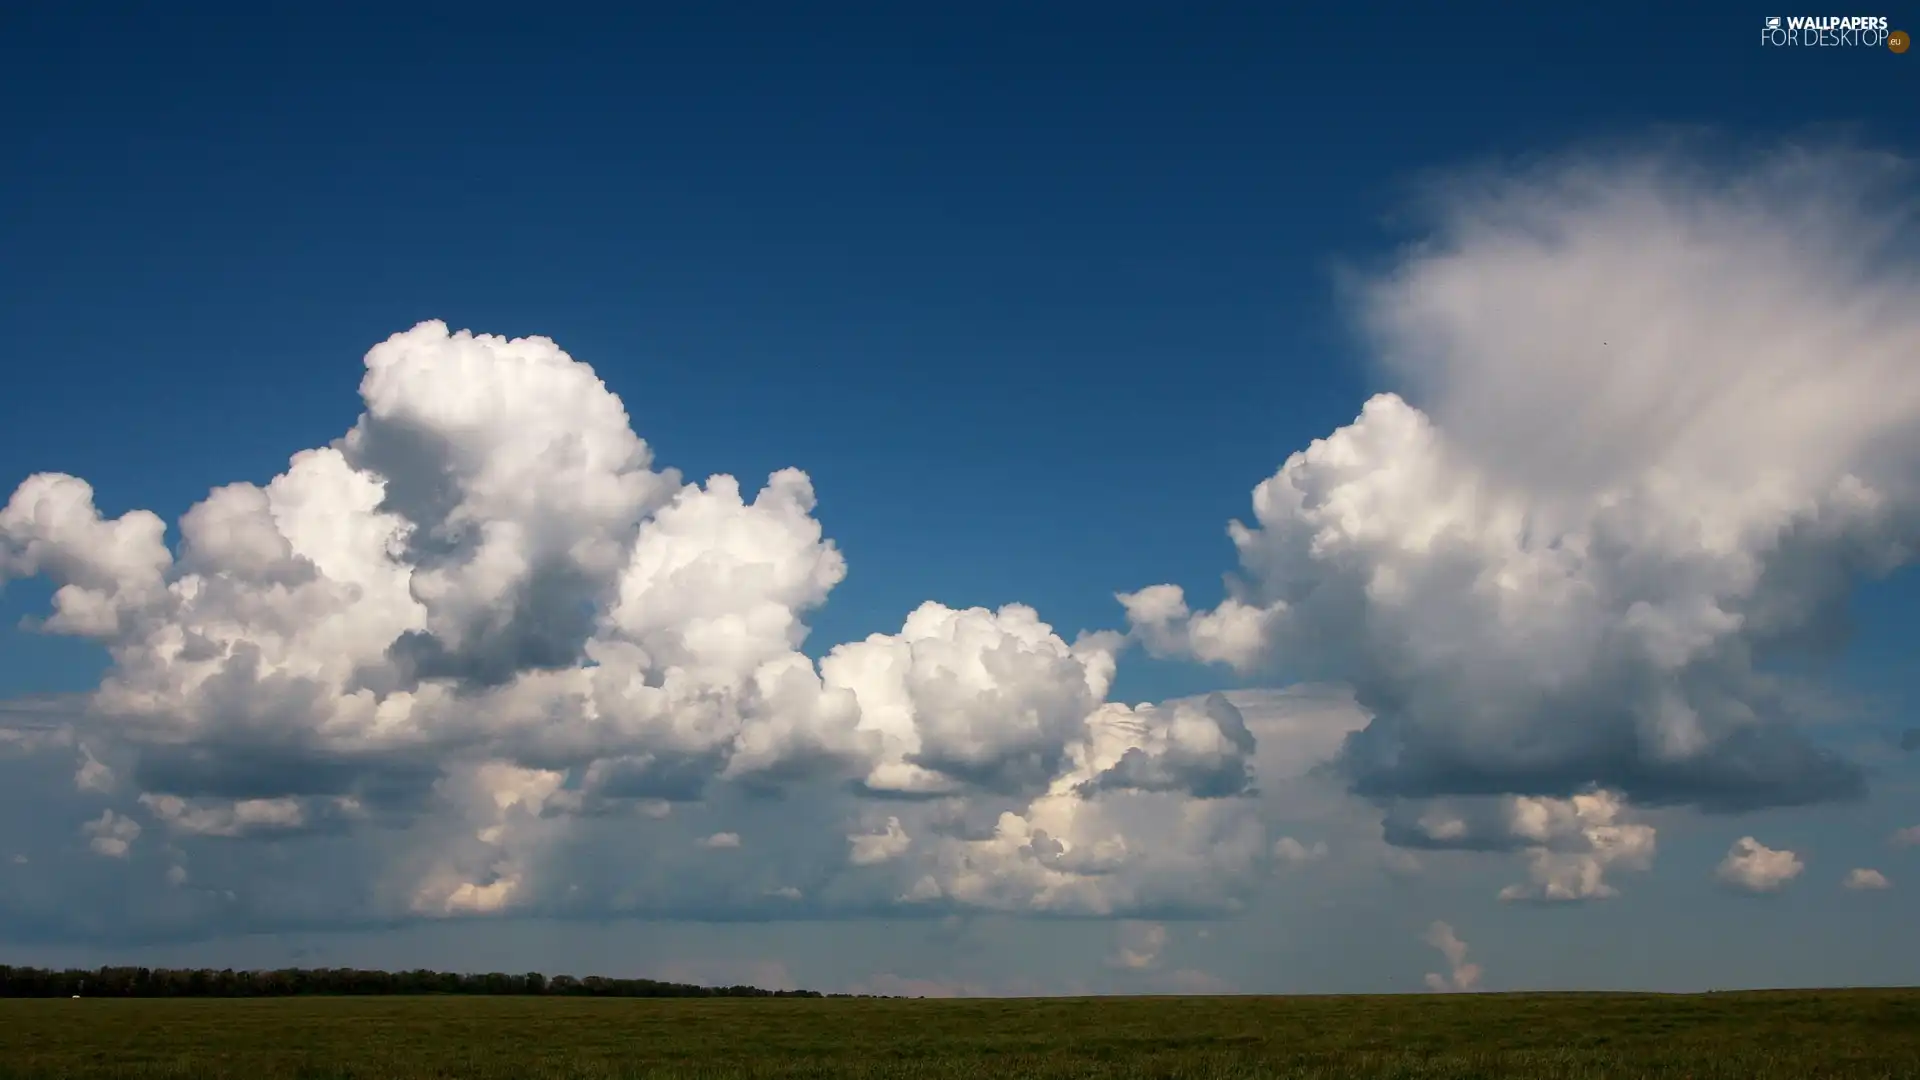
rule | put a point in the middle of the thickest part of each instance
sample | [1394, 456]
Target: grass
[1749, 1036]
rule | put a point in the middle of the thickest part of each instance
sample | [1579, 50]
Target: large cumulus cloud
[481, 655]
[484, 655]
[1654, 423]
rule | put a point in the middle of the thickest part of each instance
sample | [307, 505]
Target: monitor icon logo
[1773, 22]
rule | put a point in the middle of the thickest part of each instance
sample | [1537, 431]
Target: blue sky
[1035, 299]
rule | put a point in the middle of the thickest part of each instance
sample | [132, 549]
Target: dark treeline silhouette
[205, 982]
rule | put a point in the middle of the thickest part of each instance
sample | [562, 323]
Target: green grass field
[1758, 1036]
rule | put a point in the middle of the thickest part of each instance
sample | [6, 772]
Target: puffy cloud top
[1866, 879]
[1461, 975]
[1656, 423]
[1570, 843]
[482, 654]
[484, 619]
[1754, 867]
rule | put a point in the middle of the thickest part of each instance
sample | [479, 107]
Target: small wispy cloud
[1461, 976]
[1864, 878]
[1291, 851]
[1137, 945]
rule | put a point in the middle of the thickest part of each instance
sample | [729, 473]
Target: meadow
[1748, 1036]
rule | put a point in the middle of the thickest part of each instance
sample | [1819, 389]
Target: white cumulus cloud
[1755, 867]
[1461, 975]
[1653, 421]
[1570, 844]
[1289, 850]
[488, 644]
[871, 848]
[1863, 878]
[1137, 945]
[111, 834]
[482, 654]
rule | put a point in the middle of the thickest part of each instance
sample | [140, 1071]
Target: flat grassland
[1747, 1036]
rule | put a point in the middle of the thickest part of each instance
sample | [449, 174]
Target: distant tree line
[205, 982]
